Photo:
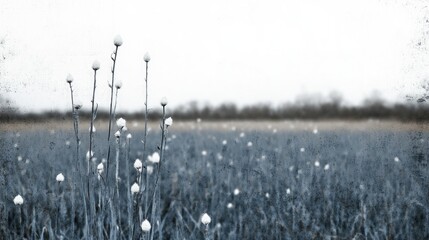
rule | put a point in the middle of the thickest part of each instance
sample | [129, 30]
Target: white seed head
[249, 144]
[96, 65]
[138, 165]
[87, 155]
[149, 169]
[326, 167]
[135, 188]
[168, 121]
[77, 104]
[121, 122]
[204, 152]
[18, 200]
[145, 226]
[93, 129]
[117, 41]
[229, 205]
[302, 149]
[60, 177]
[317, 163]
[315, 131]
[154, 158]
[118, 134]
[118, 84]
[100, 168]
[224, 142]
[396, 159]
[146, 57]
[164, 101]
[288, 191]
[236, 191]
[205, 219]
[129, 136]
[69, 78]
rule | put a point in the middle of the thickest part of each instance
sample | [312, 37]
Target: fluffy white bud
[93, 129]
[149, 169]
[100, 168]
[18, 200]
[69, 78]
[60, 177]
[164, 101]
[87, 155]
[206, 219]
[138, 165]
[117, 41]
[121, 122]
[154, 158]
[117, 134]
[135, 188]
[118, 84]
[146, 57]
[77, 104]
[129, 136]
[168, 121]
[96, 65]
[146, 226]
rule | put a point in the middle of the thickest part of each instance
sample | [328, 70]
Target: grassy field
[263, 180]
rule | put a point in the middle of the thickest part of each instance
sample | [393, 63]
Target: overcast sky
[241, 51]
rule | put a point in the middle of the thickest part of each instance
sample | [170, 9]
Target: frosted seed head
[154, 158]
[60, 177]
[135, 188]
[100, 168]
[88, 156]
[326, 167]
[205, 219]
[77, 104]
[18, 200]
[129, 136]
[118, 84]
[229, 205]
[164, 101]
[236, 191]
[146, 57]
[288, 191]
[121, 122]
[145, 226]
[168, 121]
[249, 144]
[317, 163]
[149, 169]
[69, 78]
[138, 165]
[96, 65]
[117, 41]
[118, 134]
[93, 129]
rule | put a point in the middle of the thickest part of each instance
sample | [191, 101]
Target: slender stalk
[77, 169]
[145, 140]
[114, 57]
[163, 131]
[129, 205]
[118, 143]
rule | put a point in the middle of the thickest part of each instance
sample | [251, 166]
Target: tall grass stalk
[77, 169]
[147, 59]
[155, 218]
[112, 85]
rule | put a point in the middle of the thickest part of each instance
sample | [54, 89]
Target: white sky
[242, 51]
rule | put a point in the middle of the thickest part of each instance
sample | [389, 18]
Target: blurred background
[223, 59]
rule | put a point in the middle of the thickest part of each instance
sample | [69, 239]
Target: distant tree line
[229, 111]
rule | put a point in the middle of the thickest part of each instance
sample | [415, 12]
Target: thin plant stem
[76, 130]
[114, 57]
[163, 131]
[145, 136]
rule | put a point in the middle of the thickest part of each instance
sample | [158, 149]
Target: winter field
[255, 180]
